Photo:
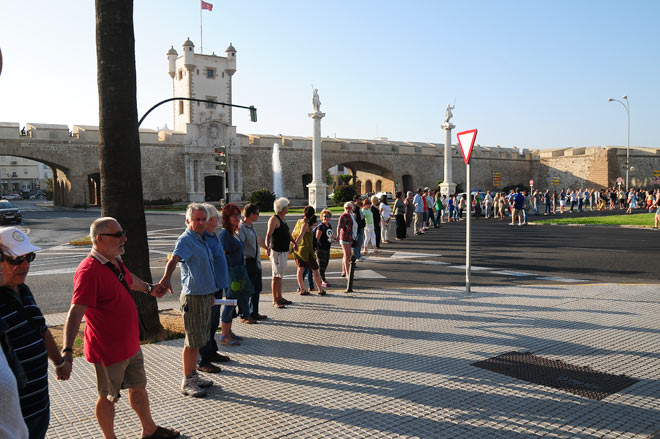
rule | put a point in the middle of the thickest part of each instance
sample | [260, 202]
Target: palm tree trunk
[119, 144]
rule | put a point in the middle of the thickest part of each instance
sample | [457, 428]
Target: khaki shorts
[278, 261]
[125, 374]
[196, 312]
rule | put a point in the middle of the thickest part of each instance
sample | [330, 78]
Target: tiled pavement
[397, 364]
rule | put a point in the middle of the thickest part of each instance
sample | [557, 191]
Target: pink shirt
[111, 330]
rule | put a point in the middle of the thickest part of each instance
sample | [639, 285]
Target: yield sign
[466, 140]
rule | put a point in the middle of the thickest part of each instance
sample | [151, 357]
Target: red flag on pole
[207, 6]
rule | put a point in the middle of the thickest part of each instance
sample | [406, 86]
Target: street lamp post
[627, 107]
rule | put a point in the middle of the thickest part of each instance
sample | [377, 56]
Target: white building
[212, 158]
[22, 176]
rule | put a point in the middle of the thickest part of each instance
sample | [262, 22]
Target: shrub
[344, 179]
[264, 199]
[343, 193]
[159, 202]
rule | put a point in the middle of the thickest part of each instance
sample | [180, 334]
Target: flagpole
[201, 40]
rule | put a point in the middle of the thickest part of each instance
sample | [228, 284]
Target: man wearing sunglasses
[30, 339]
[101, 293]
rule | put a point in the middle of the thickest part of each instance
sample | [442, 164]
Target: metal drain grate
[582, 381]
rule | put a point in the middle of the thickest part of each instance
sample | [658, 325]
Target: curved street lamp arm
[253, 110]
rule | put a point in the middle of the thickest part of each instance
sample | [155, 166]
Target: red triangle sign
[466, 140]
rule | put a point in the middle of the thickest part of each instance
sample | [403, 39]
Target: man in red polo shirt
[101, 293]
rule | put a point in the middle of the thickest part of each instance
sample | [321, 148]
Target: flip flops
[163, 433]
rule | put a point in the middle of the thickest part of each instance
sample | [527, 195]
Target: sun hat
[16, 242]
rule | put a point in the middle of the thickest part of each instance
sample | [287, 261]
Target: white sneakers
[195, 385]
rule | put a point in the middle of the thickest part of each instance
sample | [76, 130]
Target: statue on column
[448, 114]
[316, 102]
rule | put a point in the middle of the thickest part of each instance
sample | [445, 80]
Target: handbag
[239, 283]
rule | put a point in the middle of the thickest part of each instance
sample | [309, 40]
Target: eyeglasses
[119, 234]
[19, 260]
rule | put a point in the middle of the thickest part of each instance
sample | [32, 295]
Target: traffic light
[220, 156]
[253, 113]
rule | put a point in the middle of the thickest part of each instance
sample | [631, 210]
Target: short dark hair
[249, 209]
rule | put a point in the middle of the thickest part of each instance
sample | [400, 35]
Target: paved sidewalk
[398, 364]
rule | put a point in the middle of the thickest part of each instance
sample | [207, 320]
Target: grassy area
[638, 219]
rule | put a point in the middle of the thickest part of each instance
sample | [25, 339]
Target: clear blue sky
[532, 74]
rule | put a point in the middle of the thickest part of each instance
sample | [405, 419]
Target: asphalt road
[501, 254]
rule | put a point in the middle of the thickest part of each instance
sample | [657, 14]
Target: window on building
[211, 98]
[180, 107]
[180, 74]
[25, 171]
[210, 73]
[13, 174]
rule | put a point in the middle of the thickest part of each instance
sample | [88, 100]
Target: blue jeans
[432, 218]
[360, 240]
[310, 277]
[228, 311]
[211, 346]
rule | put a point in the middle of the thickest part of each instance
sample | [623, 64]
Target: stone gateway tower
[212, 157]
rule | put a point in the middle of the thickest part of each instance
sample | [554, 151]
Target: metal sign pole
[467, 228]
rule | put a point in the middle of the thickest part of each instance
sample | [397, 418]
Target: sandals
[163, 433]
[278, 305]
[228, 341]
[235, 337]
[304, 293]
[322, 293]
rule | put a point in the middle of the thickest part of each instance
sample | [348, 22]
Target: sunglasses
[19, 260]
[119, 234]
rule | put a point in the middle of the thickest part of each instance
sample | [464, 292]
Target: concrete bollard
[351, 273]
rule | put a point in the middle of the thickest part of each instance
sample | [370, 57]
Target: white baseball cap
[15, 242]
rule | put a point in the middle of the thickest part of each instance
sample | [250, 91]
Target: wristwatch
[149, 288]
[65, 350]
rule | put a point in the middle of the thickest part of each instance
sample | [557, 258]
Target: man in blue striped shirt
[27, 333]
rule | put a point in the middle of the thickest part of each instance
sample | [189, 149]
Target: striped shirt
[30, 349]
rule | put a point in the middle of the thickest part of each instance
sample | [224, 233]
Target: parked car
[9, 212]
[389, 195]
[37, 197]
[12, 197]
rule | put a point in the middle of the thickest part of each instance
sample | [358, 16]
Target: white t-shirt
[11, 419]
[385, 211]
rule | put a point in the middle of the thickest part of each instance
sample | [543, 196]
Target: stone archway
[408, 183]
[306, 179]
[358, 186]
[379, 186]
[94, 189]
[368, 187]
[214, 188]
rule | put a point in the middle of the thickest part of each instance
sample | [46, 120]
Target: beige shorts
[278, 261]
[196, 312]
[125, 374]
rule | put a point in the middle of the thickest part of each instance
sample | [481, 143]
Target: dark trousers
[255, 277]
[377, 232]
[400, 227]
[211, 346]
[324, 259]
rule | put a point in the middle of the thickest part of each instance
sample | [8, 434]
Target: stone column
[448, 187]
[317, 188]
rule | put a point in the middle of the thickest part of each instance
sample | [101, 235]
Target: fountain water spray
[277, 172]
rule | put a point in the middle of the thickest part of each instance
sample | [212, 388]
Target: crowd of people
[428, 208]
[216, 268]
